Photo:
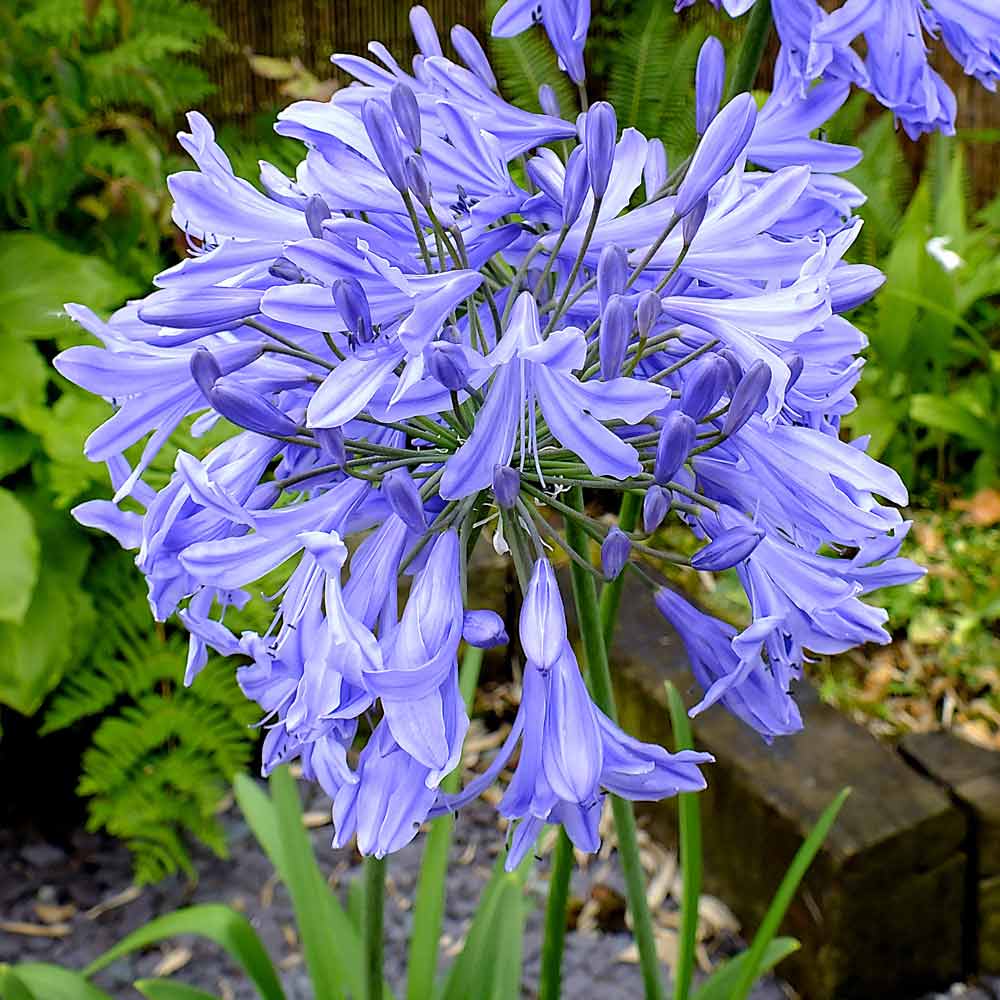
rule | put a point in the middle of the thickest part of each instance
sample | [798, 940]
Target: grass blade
[719, 986]
[166, 989]
[783, 897]
[689, 815]
[227, 928]
[48, 982]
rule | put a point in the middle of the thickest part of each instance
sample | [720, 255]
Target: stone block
[880, 912]
[989, 925]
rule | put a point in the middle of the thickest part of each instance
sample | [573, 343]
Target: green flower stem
[577, 264]
[554, 940]
[599, 675]
[611, 593]
[373, 918]
[752, 49]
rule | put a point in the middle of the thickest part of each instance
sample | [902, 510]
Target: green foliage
[89, 96]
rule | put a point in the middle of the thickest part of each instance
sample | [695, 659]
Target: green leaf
[719, 986]
[754, 964]
[948, 414]
[18, 557]
[11, 988]
[25, 375]
[880, 417]
[37, 277]
[428, 905]
[165, 989]
[16, 448]
[689, 815]
[221, 924]
[55, 629]
[51, 982]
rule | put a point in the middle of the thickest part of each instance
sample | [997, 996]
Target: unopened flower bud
[407, 112]
[471, 52]
[403, 497]
[417, 180]
[316, 212]
[284, 269]
[381, 128]
[676, 438]
[446, 361]
[693, 220]
[704, 386]
[250, 410]
[612, 272]
[735, 368]
[331, 444]
[483, 629]
[747, 397]
[424, 32]
[205, 369]
[616, 329]
[600, 135]
[655, 507]
[709, 79]
[506, 485]
[727, 549]
[548, 101]
[352, 304]
[189, 309]
[574, 185]
[647, 312]
[615, 551]
[795, 365]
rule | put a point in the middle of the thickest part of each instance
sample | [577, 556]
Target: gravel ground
[89, 871]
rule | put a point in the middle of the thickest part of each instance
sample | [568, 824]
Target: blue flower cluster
[453, 312]
[816, 42]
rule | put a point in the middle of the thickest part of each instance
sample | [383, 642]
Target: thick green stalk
[611, 593]
[550, 986]
[752, 49]
[599, 674]
[373, 919]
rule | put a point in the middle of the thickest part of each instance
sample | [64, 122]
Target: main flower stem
[599, 674]
[550, 985]
[373, 917]
[752, 49]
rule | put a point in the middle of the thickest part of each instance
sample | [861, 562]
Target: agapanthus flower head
[414, 344]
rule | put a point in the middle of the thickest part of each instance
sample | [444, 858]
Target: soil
[86, 871]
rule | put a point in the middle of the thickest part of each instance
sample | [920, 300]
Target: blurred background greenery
[91, 95]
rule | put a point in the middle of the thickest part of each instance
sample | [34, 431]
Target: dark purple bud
[403, 497]
[548, 101]
[615, 550]
[506, 485]
[612, 272]
[205, 369]
[417, 180]
[693, 220]
[676, 439]
[407, 112]
[616, 328]
[655, 507]
[471, 53]
[249, 409]
[284, 269]
[575, 185]
[654, 172]
[352, 304]
[735, 368]
[709, 79]
[331, 444]
[703, 387]
[483, 629]
[207, 306]
[647, 312]
[381, 128]
[317, 211]
[718, 150]
[600, 134]
[727, 549]
[448, 364]
[795, 365]
[424, 31]
[747, 397]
